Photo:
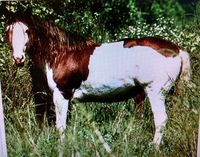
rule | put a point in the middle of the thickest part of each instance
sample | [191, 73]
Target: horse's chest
[69, 72]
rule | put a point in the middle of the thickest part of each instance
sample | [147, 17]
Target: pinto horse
[77, 69]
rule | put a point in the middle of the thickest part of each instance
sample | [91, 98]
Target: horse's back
[164, 47]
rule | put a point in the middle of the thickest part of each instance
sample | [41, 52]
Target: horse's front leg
[61, 108]
[60, 102]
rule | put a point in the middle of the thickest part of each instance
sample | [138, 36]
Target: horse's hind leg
[157, 101]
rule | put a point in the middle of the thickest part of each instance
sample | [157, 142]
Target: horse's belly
[104, 92]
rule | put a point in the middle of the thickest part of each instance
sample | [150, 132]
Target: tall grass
[128, 131]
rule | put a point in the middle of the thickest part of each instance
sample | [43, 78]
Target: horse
[77, 69]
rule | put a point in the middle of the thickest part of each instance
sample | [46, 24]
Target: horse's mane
[51, 41]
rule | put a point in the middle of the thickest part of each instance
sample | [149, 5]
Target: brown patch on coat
[164, 47]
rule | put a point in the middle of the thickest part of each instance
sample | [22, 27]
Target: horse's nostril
[18, 59]
[19, 62]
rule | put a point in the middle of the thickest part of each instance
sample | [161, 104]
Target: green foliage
[167, 8]
[101, 19]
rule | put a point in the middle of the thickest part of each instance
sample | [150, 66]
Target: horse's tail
[185, 74]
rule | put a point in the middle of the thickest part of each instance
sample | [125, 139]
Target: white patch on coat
[113, 67]
[49, 73]
[19, 40]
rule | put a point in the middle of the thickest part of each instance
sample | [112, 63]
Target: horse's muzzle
[19, 62]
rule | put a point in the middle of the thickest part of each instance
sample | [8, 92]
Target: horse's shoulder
[71, 67]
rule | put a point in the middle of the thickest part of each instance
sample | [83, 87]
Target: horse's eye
[27, 31]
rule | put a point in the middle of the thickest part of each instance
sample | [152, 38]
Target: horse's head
[18, 38]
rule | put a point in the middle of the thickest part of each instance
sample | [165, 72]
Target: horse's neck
[42, 53]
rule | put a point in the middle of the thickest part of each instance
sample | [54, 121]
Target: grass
[127, 134]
